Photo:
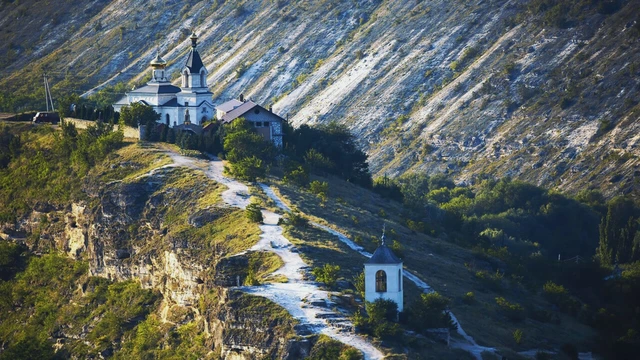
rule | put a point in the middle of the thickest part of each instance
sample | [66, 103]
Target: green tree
[249, 169]
[382, 315]
[327, 274]
[618, 238]
[298, 176]
[317, 162]
[241, 142]
[387, 188]
[139, 114]
[334, 151]
[430, 311]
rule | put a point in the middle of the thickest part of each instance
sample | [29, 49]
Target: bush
[430, 312]
[381, 315]
[350, 354]
[517, 336]
[513, 311]
[254, 213]
[387, 188]
[559, 296]
[358, 283]
[252, 279]
[249, 169]
[298, 176]
[490, 281]
[469, 298]
[328, 274]
[320, 188]
[293, 218]
[397, 248]
[139, 114]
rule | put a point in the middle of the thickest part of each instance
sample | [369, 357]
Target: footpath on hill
[468, 344]
[303, 299]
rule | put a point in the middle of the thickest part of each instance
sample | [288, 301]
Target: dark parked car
[46, 117]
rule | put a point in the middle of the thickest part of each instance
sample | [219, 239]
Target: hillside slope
[538, 90]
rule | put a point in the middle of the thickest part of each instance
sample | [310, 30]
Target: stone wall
[129, 132]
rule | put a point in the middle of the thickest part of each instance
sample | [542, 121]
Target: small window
[266, 124]
[258, 124]
[381, 281]
[257, 111]
[186, 104]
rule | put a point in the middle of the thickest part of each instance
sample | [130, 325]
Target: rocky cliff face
[127, 230]
[539, 90]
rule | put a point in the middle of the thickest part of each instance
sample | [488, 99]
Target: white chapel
[383, 276]
[188, 104]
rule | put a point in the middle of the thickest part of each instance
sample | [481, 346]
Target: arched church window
[202, 79]
[186, 117]
[399, 280]
[168, 119]
[381, 281]
[186, 79]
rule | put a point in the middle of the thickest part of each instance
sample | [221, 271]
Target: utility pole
[47, 93]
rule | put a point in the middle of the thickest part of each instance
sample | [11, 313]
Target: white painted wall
[395, 287]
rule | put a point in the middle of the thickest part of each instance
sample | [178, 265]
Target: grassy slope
[356, 212]
[37, 309]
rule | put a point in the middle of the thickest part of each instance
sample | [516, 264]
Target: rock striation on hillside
[543, 91]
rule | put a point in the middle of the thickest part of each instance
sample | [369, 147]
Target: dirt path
[469, 344]
[303, 299]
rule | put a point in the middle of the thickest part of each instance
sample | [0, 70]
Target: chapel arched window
[381, 281]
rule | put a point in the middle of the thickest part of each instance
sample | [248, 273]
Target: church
[188, 104]
[383, 276]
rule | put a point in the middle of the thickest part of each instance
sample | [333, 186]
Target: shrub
[252, 268]
[319, 188]
[298, 176]
[254, 213]
[430, 312]
[469, 298]
[358, 283]
[327, 274]
[490, 281]
[350, 354]
[397, 248]
[139, 114]
[387, 188]
[513, 311]
[517, 336]
[293, 218]
[248, 169]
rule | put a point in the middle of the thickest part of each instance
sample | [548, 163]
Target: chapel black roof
[384, 255]
[194, 62]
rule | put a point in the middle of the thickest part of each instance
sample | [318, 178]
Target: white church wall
[395, 287]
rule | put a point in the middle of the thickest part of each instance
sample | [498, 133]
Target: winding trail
[302, 298]
[469, 344]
